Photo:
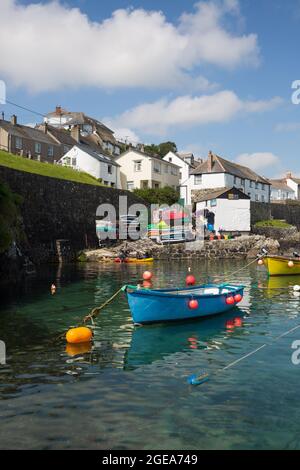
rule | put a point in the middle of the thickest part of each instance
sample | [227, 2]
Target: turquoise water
[130, 391]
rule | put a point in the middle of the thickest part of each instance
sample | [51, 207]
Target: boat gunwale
[171, 292]
[283, 258]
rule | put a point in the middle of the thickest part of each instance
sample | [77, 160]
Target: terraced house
[28, 142]
[216, 172]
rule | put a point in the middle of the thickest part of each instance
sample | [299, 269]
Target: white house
[216, 172]
[227, 209]
[142, 170]
[285, 188]
[84, 158]
[186, 162]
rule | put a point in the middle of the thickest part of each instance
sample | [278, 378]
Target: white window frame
[197, 180]
[19, 143]
[37, 145]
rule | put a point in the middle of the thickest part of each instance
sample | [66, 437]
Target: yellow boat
[282, 265]
[138, 260]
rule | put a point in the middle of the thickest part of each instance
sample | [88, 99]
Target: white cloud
[47, 46]
[157, 117]
[125, 135]
[259, 160]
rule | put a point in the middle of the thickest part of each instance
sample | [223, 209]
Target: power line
[25, 109]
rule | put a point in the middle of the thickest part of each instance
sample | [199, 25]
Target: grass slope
[46, 169]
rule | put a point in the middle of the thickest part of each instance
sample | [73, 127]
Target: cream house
[141, 170]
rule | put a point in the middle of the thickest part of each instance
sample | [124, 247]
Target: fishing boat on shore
[177, 304]
[282, 265]
[134, 260]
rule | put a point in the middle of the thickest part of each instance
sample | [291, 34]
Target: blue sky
[218, 78]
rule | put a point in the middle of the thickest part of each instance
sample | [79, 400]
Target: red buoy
[190, 280]
[147, 284]
[230, 300]
[193, 304]
[238, 297]
[147, 275]
[238, 321]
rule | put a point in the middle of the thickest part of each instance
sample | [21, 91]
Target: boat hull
[134, 260]
[278, 266]
[167, 305]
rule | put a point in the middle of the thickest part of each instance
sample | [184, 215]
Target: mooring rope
[204, 376]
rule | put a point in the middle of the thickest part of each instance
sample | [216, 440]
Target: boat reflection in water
[155, 342]
[278, 285]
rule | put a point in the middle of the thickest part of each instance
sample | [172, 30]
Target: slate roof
[97, 155]
[26, 132]
[281, 184]
[220, 165]
[200, 195]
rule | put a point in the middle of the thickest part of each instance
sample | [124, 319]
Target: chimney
[75, 133]
[210, 159]
[2, 115]
[45, 128]
[288, 175]
[13, 120]
[58, 110]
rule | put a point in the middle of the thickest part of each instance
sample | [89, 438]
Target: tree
[161, 149]
[166, 195]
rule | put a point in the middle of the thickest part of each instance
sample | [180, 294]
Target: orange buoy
[147, 275]
[260, 262]
[53, 288]
[75, 349]
[230, 300]
[290, 264]
[193, 304]
[79, 335]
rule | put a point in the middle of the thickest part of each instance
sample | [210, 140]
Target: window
[198, 179]
[18, 143]
[156, 185]
[235, 180]
[50, 151]
[256, 185]
[166, 168]
[157, 167]
[109, 169]
[138, 165]
[256, 197]
[74, 162]
[213, 203]
[67, 161]
[174, 171]
[263, 198]
[37, 147]
[170, 159]
[242, 182]
[130, 185]
[263, 186]
[251, 184]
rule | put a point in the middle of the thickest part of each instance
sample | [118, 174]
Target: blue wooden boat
[161, 305]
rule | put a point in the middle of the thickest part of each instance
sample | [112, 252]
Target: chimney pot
[13, 120]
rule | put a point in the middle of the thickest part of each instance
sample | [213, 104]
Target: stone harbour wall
[58, 212]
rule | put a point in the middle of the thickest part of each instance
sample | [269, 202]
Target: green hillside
[45, 169]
